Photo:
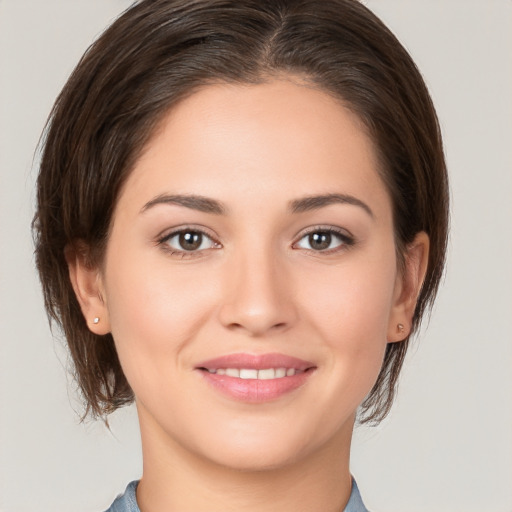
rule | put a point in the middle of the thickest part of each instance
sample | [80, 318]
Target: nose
[258, 296]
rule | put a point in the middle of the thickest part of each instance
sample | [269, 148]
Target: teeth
[251, 373]
[267, 374]
[248, 374]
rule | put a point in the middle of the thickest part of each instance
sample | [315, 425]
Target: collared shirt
[127, 502]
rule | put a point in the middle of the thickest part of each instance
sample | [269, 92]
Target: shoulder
[126, 502]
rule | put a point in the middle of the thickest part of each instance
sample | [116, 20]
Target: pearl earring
[96, 320]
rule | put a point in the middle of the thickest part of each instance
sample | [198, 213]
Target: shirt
[127, 502]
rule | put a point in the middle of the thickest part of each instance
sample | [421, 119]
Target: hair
[161, 51]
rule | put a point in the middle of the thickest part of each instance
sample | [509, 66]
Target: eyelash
[346, 241]
[183, 253]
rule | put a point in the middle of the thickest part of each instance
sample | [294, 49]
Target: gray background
[447, 445]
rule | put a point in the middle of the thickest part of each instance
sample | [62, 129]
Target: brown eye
[324, 240]
[190, 240]
[319, 241]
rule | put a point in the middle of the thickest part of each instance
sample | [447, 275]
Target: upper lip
[257, 362]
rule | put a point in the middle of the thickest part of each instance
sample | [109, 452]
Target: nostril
[255, 316]
[234, 326]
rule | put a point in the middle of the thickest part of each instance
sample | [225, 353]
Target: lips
[252, 373]
[256, 378]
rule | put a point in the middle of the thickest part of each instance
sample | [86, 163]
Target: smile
[256, 378]
[251, 373]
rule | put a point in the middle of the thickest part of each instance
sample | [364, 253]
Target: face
[250, 280]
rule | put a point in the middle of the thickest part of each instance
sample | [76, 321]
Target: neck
[177, 479]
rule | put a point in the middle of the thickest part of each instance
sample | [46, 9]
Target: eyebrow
[194, 202]
[208, 205]
[309, 203]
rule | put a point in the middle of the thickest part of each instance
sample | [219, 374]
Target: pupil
[190, 240]
[320, 241]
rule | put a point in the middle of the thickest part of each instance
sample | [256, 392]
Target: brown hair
[160, 51]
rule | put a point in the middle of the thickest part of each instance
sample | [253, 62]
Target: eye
[324, 240]
[188, 240]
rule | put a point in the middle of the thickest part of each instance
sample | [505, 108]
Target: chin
[255, 458]
[268, 449]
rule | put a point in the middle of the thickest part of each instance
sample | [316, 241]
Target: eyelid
[169, 233]
[347, 238]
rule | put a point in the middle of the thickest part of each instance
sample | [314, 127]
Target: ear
[407, 288]
[88, 286]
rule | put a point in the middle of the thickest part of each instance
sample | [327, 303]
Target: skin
[256, 285]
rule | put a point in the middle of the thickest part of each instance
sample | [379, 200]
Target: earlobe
[88, 287]
[408, 287]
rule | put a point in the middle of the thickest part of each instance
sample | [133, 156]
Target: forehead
[253, 139]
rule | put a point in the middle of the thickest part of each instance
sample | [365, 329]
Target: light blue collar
[127, 502]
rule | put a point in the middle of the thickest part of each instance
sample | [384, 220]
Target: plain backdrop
[447, 445]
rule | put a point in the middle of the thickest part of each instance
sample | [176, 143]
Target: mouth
[252, 373]
[256, 378]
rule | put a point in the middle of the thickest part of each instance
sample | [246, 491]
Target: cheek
[352, 300]
[154, 311]
[350, 308]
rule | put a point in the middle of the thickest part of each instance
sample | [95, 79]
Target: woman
[242, 217]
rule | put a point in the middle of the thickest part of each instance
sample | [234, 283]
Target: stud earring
[96, 320]
[400, 328]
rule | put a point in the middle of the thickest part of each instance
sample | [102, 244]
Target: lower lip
[255, 390]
